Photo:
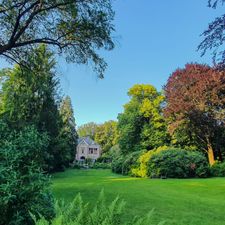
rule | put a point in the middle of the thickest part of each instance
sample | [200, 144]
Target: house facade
[87, 149]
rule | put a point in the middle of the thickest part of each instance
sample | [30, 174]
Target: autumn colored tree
[195, 106]
[141, 125]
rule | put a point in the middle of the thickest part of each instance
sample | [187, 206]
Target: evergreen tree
[68, 133]
[29, 96]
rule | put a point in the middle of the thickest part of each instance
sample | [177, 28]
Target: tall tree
[106, 135]
[29, 97]
[214, 36]
[68, 133]
[88, 129]
[141, 125]
[75, 28]
[195, 99]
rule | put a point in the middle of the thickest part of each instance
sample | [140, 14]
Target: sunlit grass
[180, 202]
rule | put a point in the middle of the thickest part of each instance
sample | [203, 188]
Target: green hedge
[178, 163]
[218, 170]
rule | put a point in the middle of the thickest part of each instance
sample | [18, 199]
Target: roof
[88, 140]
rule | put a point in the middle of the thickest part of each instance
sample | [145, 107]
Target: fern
[79, 213]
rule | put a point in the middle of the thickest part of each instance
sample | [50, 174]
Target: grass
[179, 201]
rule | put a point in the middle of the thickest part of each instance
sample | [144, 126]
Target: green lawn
[180, 202]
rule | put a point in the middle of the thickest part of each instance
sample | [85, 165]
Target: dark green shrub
[23, 186]
[98, 165]
[130, 161]
[117, 164]
[177, 163]
[218, 170]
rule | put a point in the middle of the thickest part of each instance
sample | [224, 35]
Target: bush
[80, 213]
[98, 165]
[117, 164]
[130, 161]
[23, 186]
[141, 168]
[218, 170]
[124, 164]
[177, 163]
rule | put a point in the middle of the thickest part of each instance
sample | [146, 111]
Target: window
[82, 150]
[91, 150]
[95, 150]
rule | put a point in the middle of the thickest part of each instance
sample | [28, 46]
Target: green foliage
[88, 129]
[141, 168]
[178, 163]
[125, 164]
[106, 136]
[76, 29]
[117, 164]
[218, 169]
[68, 134]
[141, 125]
[79, 213]
[23, 186]
[101, 165]
[29, 96]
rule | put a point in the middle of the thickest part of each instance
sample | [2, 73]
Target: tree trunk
[210, 154]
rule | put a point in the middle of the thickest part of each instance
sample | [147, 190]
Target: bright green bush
[178, 163]
[23, 187]
[80, 213]
[218, 170]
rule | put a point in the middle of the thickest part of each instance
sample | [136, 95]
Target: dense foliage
[218, 169]
[79, 213]
[141, 125]
[29, 96]
[195, 108]
[177, 163]
[23, 186]
[77, 29]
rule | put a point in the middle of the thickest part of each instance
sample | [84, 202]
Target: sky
[153, 39]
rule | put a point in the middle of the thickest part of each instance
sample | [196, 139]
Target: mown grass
[179, 201]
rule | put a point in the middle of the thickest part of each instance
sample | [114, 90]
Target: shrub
[23, 186]
[130, 161]
[117, 164]
[141, 169]
[218, 169]
[98, 165]
[80, 213]
[177, 163]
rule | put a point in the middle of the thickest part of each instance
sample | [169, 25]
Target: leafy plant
[178, 163]
[80, 213]
[218, 169]
[23, 186]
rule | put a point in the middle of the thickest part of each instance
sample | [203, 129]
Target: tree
[214, 36]
[106, 135]
[88, 129]
[29, 97]
[68, 133]
[196, 106]
[75, 28]
[141, 125]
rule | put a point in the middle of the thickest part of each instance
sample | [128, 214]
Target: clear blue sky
[153, 39]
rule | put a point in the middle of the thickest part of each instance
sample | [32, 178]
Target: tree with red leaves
[195, 99]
